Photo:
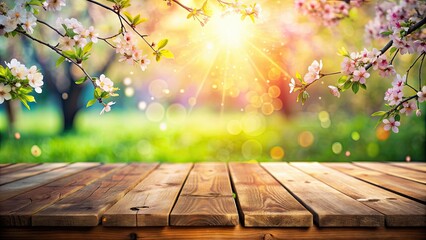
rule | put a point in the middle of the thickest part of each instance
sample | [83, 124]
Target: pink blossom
[408, 107]
[361, 75]
[292, 84]
[348, 66]
[391, 124]
[421, 96]
[335, 91]
[107, 107]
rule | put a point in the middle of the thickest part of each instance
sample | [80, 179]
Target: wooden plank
[398, 210]
[185, 233]
[17, 211]
[85, 207]
[151, 201]
[394, 170]
[2, 165]
[263, 201]
[330, 207]
[206, 198]
[15, 167]
[418, 166]
[402, 186]
[31, 171]
[23, 185]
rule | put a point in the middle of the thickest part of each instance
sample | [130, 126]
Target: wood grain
[17, 211]
[394, 170]
[399, 185]
[185, 233]
[399, 211]
[151, 201]
[30, 171]
[263, 202]
[418, 166]
[17, 187]
[84, 207]
[329, 206]
[15, 167]
[2, 165]
[206, 198]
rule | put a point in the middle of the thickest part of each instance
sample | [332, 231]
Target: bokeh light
[35, 151]
[336, 147]
[155, 112]
[251, 149]
[305, 139]
[277, 153]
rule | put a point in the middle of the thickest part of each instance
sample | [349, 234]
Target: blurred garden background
[225, 96]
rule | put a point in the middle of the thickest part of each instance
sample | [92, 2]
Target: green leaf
[343, 52]
[378, 113]
[363, 86]
[305, 96]
[342, 80]
[206, 9]
[167, 53]
[29, 98]
[81, 80]
[24, 102]
[392, 50]
[128, 16]
[157, 56]
[298, 76]
[355, 87]
[162, 43]
[397, 117]
[87, 48]
[299, 97]
[60, 61]
[97, 93]
[91, 102]
[347, 85]
[386, 33]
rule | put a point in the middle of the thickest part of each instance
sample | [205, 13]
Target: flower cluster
[394, 20]
[18, 17]
[329, 13]
[17, 81]
[54, 5]
[75, 34]
[313, 74]
[129, 52]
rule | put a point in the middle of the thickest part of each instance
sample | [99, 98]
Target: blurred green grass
[129, 137]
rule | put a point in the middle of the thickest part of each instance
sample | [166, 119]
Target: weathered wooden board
[15, 167]
[185, 233]
[329, 206]
[31, 171]
[394, 170]
[263, 202]
[399, 185]
[398, 210]
[84, 207]
[418, 166]
[206, 198]
[151, 201]
[2, 165]
[17, 211]
[17, 187]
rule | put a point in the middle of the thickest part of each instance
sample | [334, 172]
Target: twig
[49, 26]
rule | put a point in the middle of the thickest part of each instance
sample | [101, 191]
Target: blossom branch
[122, 19]
[51, 27]
[58, 51]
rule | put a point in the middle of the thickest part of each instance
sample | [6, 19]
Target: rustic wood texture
[8, 168]
[2, 165]
[17, 187]
[398, 210]
[151, 201]
[329, 206]
[399, 185]
[394, 170]
[185, 233]
[418, 166]
[263, 202]
[31, 171]
[17, 211]
[206, 198]
[84, 207]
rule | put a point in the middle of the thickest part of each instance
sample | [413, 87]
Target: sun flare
[229, 30]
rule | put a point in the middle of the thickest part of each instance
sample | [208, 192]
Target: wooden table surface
[213, 200]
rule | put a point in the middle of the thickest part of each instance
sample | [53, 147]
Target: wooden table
[213, 201]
